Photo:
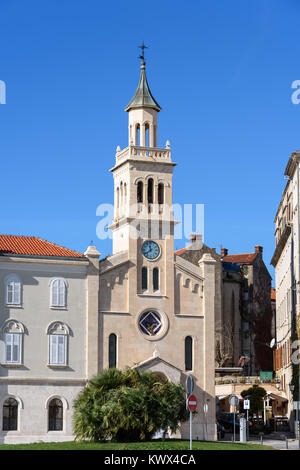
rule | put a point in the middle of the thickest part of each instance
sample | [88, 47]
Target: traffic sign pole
[191, 431]
[247, 425]
[247, 407]
[192, 405]
[234, 401]
[234, 424]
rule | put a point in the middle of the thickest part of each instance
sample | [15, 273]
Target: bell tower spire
[142, 110]
[142, 178]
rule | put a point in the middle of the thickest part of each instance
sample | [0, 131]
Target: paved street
[293, 444]
[276, 441]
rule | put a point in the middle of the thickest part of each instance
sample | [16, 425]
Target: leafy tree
[127, 405]
[256, 395]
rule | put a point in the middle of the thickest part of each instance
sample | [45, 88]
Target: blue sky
[222, 72]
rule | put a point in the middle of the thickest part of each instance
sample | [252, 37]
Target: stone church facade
[156, 308]
[144, 306]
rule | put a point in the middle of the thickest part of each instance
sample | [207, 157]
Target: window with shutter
[13, 290]
[12, 348]
[58, 349]
[58, 293]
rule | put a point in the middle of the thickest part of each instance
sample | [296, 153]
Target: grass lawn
[170, 444]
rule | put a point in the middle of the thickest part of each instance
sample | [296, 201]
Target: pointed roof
[143, 96]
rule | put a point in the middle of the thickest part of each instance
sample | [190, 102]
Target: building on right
[247, 314]
[286, 261]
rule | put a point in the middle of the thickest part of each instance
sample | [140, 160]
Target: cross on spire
[143, 47]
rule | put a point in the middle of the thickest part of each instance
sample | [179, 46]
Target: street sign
[246, 404]
[189, 385]
[234, 400]
[192, 403]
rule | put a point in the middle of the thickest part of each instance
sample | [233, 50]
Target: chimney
[196, 242]
[224, 252]
[195, 237]
[258, 249]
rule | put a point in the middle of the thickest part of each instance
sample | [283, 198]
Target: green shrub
[127, 406]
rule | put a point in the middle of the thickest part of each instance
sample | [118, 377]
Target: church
[144, 307]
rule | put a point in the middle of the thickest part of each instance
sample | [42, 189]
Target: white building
[286, 260]
[44, 306]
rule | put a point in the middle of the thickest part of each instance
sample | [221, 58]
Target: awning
[273, 396]
[221, 397]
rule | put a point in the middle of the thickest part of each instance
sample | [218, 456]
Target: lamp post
[298, 405]
[292, 388]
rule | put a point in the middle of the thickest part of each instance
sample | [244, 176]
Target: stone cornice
[280, 245]
[22, 264]
[290, 169]
[42, 381]
[43, 260]
[113, 262]
[187, 267]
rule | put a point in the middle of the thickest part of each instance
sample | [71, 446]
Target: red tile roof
[273, 293]
[34, 246]
[240, 258]
[179, 252]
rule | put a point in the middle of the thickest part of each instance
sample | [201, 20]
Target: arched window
[112, 350]
[56, 412]
[118, 198]
[150, 191]
[147, 142]
[13, 288]
[144, 278]
[160, 195]
[121, 198]
[140, 191]
[10, 415]
[58, 343]
[13, 332]
[188, 350]
[58, 293]
[155, 279]
[137, 135]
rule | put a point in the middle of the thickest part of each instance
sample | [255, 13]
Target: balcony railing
[251, 380]
[144, 153]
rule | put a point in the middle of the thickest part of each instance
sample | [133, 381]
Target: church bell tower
[156, 308]
[143, 221]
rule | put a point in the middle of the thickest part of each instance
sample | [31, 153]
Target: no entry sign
[192, 403]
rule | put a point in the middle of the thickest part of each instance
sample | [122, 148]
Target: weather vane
[143, 47]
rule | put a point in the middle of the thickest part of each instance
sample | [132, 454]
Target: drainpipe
[298, 227]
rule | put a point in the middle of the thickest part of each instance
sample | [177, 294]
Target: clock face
[150, 249]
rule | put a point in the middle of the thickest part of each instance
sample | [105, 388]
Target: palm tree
[127, 405]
